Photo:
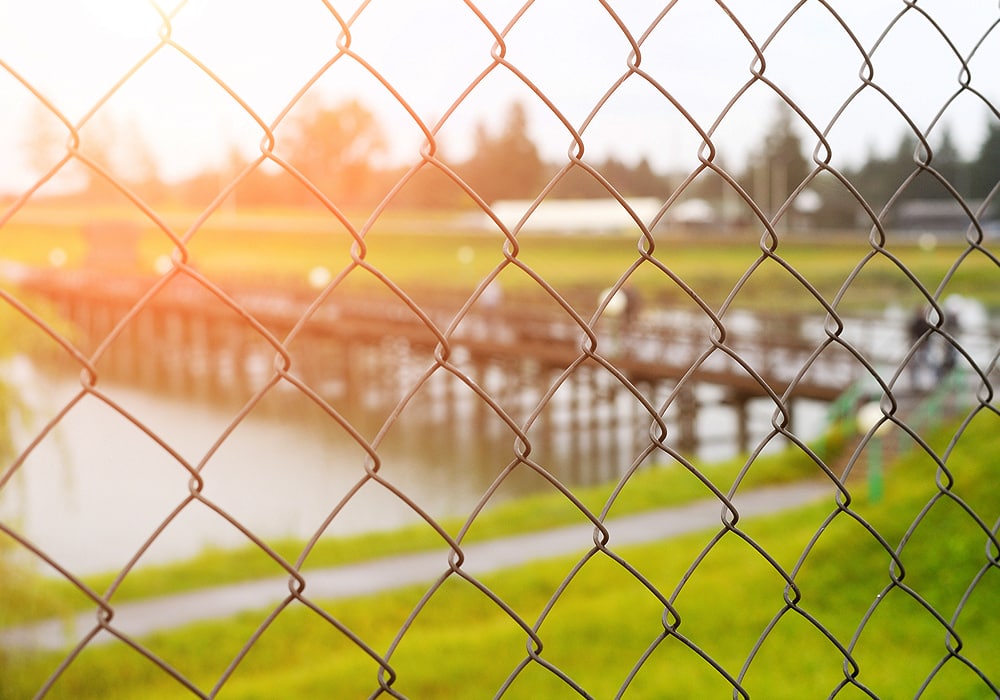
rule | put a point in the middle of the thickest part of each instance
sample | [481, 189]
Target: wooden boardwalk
[659, 347]
[185, 339]
[355, 351]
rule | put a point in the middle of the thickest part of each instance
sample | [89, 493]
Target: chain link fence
[171, 387]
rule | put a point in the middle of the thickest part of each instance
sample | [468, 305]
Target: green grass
[461, 644]
[413, 248]
[648, 489]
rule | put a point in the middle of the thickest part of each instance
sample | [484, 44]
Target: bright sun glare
[126, 18]
[76, 52]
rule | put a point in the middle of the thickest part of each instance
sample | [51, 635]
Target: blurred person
[917, 330]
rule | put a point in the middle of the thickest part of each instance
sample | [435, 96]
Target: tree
[20, 587]
[508, 165]
[879, 178]
[839, 208]
[638, 180]
[119, 148]
[645, 182]
[46, 142]
[45, 139]
[137, 163]
[778, 167]
[946, 161]
[984, 171]
[334, 147]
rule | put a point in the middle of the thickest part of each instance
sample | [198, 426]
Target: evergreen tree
[778, 167]
[508, 165]
[984, 171]
[878, 178]
[644, 182]
[946, 162]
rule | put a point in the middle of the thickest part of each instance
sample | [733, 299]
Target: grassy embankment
[646, 490]
[605, 619]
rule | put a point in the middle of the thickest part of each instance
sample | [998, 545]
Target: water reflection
[98, 486]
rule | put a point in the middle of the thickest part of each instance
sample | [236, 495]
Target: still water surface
[98, 485]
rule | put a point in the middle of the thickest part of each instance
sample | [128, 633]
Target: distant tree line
[338, 148]
[902, 175]
[780, 164]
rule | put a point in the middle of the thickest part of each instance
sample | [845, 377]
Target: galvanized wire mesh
[545, 356]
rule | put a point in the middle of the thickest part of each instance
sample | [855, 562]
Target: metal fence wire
[878, 578]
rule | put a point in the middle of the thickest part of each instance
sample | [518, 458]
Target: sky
[109, 55]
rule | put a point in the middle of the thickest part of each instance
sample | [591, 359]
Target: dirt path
[139, 618]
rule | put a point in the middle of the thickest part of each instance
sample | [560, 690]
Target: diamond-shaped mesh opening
[556, 349]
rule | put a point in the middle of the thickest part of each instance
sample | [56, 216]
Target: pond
[114, 469]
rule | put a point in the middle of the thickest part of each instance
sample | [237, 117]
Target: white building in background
[599, 216]
[574, 215]
[692, 212]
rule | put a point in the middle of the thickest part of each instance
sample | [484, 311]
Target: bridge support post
[741, 405]
[687, 420]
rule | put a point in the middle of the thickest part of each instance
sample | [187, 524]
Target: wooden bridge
[356, 350]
